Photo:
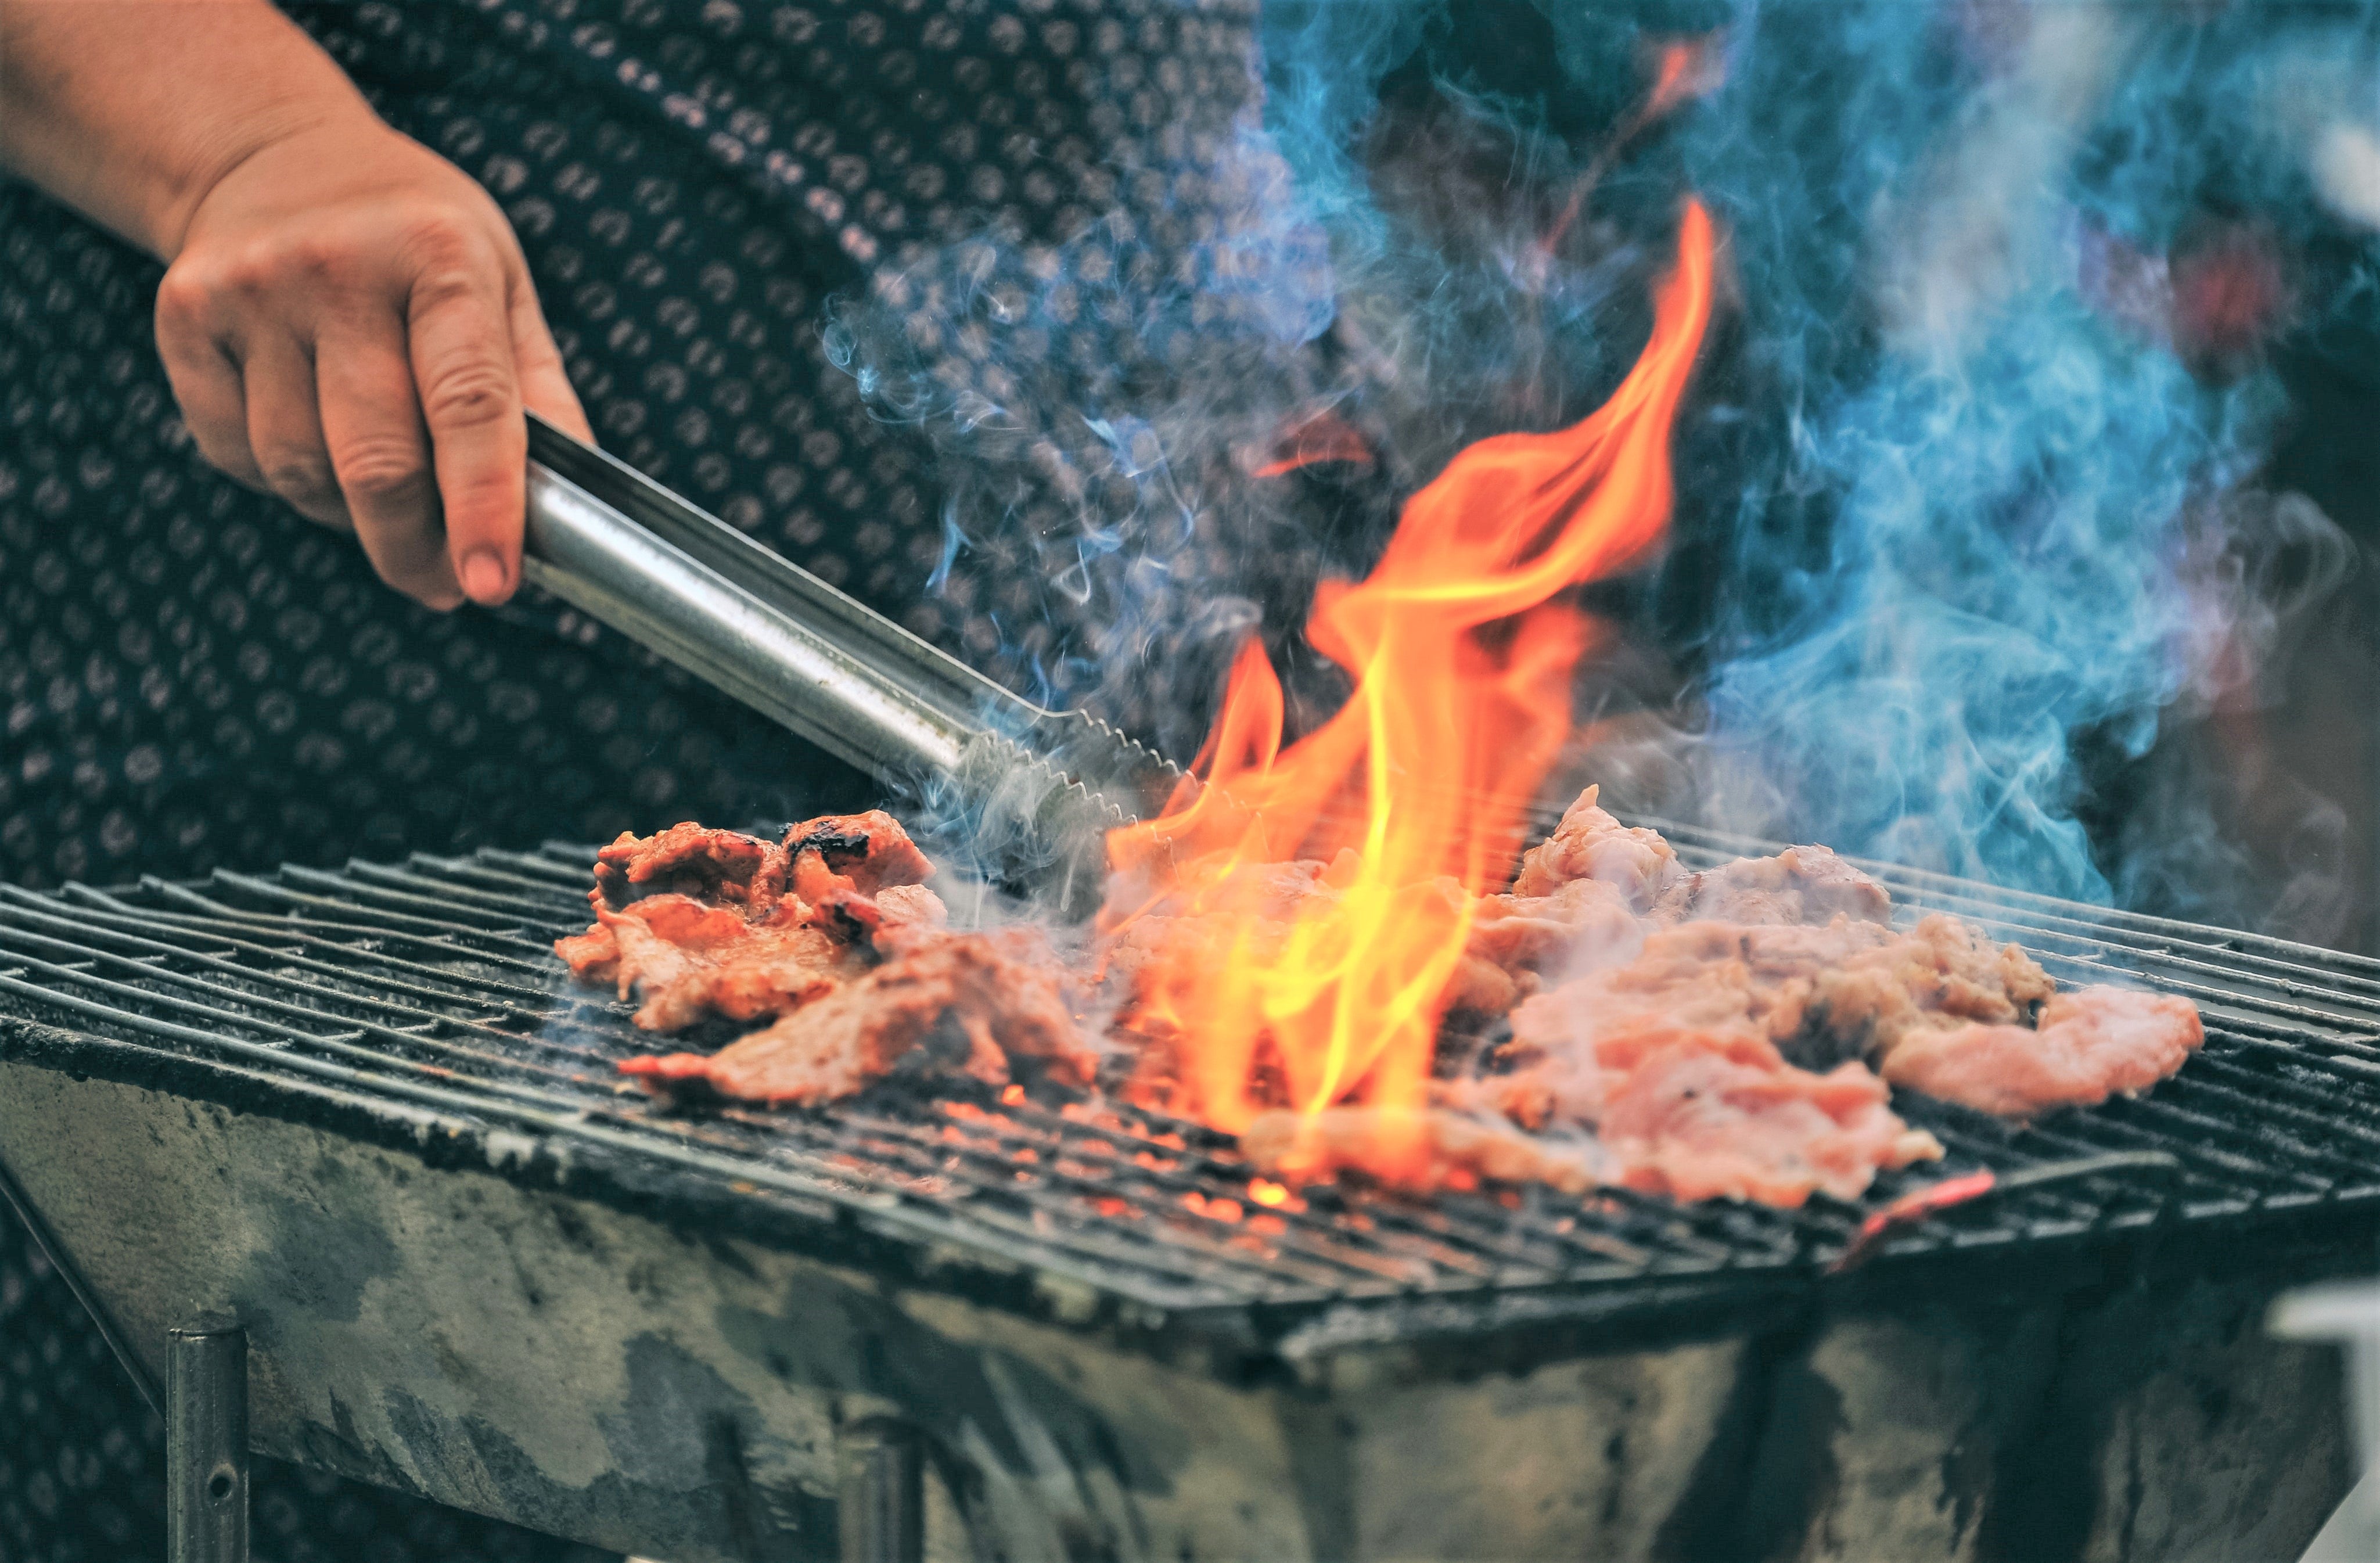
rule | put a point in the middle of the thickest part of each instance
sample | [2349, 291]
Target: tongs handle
[1036, 789]
[583, 546]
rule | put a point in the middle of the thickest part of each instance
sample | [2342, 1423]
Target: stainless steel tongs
[1037, 788]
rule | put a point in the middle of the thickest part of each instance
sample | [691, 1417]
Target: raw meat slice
[1848, 991]
[1696, 1124]
[2090, 1043]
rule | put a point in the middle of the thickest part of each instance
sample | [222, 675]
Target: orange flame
[1462, 661]
[1685, 67]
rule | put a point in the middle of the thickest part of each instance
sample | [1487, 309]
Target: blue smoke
[1960, 502]
[1970, 494]
[2001, 471]
[1092, 399]
[2000, 576]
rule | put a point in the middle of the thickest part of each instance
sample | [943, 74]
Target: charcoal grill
[362, 1112]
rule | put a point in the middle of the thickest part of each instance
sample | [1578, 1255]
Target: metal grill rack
[431, 984]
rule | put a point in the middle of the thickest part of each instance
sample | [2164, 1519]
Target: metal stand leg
[206, 1443]
[881, 1513]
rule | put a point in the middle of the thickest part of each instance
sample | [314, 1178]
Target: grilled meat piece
[1515, 938]
[866, 853]
[1669, 1059]
[1590, 844]
[1587, 894]
[832, 933]
[691, 859]
[1695, 1123]
[593, 957]
[1726, 1058]
[969, 1002]
[1822, 995]
[702, 922]
[1690, 1099]
[1571, 1047]
[911, 903]
[690, 960]
[1693, 1115]
[1481, 987]
[1802, 884]
[1724, 1034]
[1940, 973]
[2090, 1043]
[871, 851]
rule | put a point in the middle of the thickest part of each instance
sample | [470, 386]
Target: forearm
[130, 110]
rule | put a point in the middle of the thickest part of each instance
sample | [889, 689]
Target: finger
[206, 381]
[373, 428]
[545, 382]
[461, 348]
[284, 429]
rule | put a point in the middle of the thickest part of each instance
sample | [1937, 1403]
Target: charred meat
[831, 936]
[977, 1004]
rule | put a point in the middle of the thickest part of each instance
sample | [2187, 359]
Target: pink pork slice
[2089, 1045]
[1696, 1123]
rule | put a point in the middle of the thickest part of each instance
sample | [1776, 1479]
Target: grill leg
[881, 1513]
[206, 1443]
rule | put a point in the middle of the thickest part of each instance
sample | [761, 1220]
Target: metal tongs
[1038, 789]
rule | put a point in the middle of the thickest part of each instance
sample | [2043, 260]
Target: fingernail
[483, 575]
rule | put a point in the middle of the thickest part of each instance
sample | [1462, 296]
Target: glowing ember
[1689, 67]
[1461, 648]
[1213, 1209]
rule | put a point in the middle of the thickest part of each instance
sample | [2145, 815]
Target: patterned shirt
[192, 675]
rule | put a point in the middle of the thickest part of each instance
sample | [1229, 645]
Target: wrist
[182, 190]
[130, 110]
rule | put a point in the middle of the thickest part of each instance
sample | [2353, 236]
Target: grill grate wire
[433, 982]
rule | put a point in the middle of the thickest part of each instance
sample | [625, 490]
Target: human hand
[348, 323]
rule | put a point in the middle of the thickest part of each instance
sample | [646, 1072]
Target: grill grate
[432, 984]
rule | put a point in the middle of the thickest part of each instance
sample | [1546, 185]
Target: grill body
[362, 1112]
